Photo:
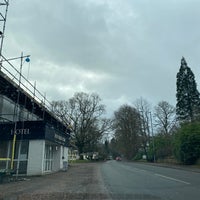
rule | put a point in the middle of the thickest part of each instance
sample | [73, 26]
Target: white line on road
[173, 179]
[139, 170]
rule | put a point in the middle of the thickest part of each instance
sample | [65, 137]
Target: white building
[39, 147]
[42, 140]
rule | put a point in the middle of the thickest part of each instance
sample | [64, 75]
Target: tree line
[137, 131]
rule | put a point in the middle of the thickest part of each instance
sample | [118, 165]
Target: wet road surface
[126, 180]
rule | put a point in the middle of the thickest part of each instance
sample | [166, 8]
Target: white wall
[59, 156]
[36, 157]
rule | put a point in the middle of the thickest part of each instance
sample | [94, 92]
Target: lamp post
[152, 134]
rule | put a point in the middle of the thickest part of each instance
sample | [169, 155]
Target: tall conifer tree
[188, 99]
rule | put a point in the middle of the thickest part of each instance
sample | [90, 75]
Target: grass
[80, 161]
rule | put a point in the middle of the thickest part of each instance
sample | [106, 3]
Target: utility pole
[152, 134]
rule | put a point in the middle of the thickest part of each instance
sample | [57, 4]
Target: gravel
[80, 181]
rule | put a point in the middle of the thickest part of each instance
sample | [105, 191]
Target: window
[48, 158]
[21, 156]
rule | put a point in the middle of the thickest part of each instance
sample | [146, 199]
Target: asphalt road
[109, 180]
[125, 180]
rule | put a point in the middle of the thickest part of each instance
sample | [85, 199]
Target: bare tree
[127, 126]
[144, 108]
[165, 117]
[83, 111]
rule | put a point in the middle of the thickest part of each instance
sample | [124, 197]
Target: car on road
[118, 158]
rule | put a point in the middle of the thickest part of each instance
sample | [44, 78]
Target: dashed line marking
[173, 179]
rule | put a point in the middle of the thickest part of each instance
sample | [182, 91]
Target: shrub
[160, 147]
[187, 143]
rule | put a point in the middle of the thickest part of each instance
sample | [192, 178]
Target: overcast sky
[119, 49]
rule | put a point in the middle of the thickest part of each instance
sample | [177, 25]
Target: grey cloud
[136, 44]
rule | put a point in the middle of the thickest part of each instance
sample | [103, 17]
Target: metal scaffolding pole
[3, 15]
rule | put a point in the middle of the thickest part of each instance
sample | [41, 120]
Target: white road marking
[138, 170]
[173, 179]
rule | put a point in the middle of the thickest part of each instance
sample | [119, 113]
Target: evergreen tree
[188, 99]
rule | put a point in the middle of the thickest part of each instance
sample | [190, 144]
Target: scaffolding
[15, 86]
[3, 15]
[23, 93]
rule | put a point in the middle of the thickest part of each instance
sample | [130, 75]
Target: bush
[160, 147]
[187, 143]
[138, 156]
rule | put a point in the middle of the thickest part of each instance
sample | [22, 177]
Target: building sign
[22, 131]
[55, 135]
[26, 130]
[33, 130]
[60, 139]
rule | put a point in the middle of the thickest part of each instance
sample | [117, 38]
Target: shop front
[33, 147]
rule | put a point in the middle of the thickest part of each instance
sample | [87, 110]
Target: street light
[152, 133]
